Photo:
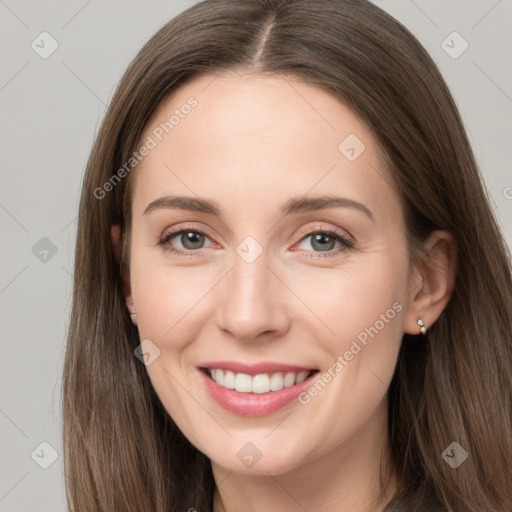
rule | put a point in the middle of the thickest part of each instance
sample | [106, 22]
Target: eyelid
[180, 227]
[323, 229]
[175, 230]
[348, 241]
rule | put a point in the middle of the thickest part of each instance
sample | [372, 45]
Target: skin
[252, 143]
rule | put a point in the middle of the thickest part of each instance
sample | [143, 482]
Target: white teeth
[261, 383]
[301, 377]
[276, 382]
[289, 379]
[243, 383]
[229, 380]
[219, 377]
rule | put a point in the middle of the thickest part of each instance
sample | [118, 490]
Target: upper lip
[255, 368]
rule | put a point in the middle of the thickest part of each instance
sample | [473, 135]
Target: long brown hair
[122, 451]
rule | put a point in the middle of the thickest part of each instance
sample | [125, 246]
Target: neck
[343, 479]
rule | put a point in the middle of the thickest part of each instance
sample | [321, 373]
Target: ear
[117, 250]
[432, 284]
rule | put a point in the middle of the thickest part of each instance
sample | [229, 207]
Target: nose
[251, 301]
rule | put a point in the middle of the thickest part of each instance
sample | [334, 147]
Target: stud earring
[423, 329]
[131, 304]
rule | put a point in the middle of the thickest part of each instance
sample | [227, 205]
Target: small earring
[131, 312]
[423, 329]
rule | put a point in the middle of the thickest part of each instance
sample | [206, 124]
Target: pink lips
[253, 404]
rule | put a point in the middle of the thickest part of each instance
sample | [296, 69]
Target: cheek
[348, 300]
[363, 309]
[168, 300]
[167, 297]
[359, 327]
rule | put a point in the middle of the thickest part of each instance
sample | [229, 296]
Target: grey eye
[322, 242]
[191, 239]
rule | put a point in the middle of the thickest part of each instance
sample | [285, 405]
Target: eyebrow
[292, 206]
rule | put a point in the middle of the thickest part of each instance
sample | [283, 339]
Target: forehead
[256, 140]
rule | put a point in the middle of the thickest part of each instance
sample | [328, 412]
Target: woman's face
[271, 283]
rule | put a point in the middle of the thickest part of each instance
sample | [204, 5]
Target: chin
[258, 458]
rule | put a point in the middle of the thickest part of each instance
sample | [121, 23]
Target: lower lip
[253, 404]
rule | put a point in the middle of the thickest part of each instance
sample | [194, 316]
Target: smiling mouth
[257, 384]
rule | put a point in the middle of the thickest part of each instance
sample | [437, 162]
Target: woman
[291, 292]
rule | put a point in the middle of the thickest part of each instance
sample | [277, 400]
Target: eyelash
[346, 242]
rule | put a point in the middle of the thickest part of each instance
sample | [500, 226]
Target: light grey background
[50, 111]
